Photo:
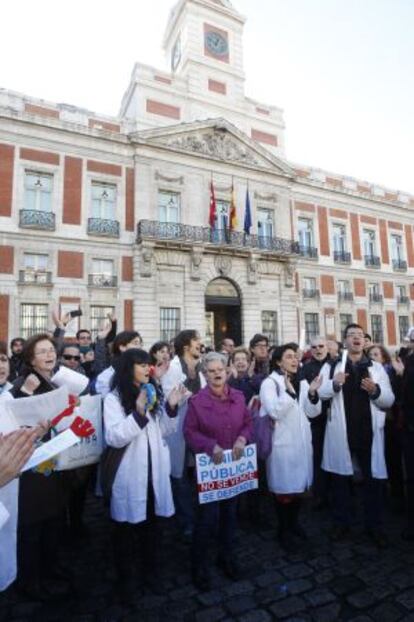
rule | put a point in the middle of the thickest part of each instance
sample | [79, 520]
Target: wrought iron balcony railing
[102, 280]
[308, 251]
[103, 227]
[310, 293]
[403, 300]
[400, 265]
[37, 219]
[178, 232]
[35, 277]
[372, 261]
[345, 296]
[375, 297]
[342, 257]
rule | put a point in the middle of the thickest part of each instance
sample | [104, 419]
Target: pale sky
[342, 70]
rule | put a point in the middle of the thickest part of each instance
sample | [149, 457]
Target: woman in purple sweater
[217, 419]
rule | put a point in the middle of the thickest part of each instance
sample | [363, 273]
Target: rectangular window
[305, 231]
[374, 289]
[401, 291]
[344, 287]
[344, 320]
[377, 333]
[35, 262]
[403, 325]
[370, 246]
[397, 249]
[169, 204]
[311, 325]
[98, 315]
[222, 210]
[170, 324]
[339, 238]
[33, 319]
[38, 191]
[104, 201]
[269, 326]
[265, 225]
[102, 273]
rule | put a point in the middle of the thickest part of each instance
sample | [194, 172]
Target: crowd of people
[324, 423]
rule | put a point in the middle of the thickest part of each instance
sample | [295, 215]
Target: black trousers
[217, 519]
[37, 550]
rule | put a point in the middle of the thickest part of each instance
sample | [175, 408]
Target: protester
[141, 489]
[309, 371]
[217, 419]
[185, 369]
[407, 407]
[354, 436]
[242, 376]
[259, 346]
[123, 341]
[16, 359]
[288, 402]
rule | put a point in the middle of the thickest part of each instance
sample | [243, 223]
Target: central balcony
[345, 296]
[35, 277]
[342, 257]
[310, 252]
[37, 219]
[103, 227]
[310, 294]
[375, 298]
[399, 265]
[189, 234]
[372, 261]
[102, 280]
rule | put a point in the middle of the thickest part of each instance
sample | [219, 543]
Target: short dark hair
[83, 330]
[69, 344]
[367, 336]
[256, 339]
[293, 345]
[15, 340]
[123, 339]
[184, 338]
[156, 347]
[30, 345]
[352, 325]
[278, 353]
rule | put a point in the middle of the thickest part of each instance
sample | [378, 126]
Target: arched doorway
[223, 312]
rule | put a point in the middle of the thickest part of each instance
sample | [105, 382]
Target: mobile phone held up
[75, 313]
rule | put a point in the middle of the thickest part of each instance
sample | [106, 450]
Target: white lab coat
[176, 442]
[336, 454]
[290, 464]
[8, 506]
[103, 381]
[129, 490]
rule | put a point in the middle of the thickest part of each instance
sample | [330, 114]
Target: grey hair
[211, 357]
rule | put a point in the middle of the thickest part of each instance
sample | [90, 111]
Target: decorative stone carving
[147, 257]
[223, 265]
[196, 260]
[171, 180]
[216, 144]
[290, 269]
[252, 270]
[266, 197]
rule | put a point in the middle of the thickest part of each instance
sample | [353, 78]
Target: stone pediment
[216, 140]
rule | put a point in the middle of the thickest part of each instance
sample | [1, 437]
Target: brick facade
[70, 264]
[6, 179]
[72, 191]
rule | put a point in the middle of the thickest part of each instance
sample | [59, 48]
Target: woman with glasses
[41, 495]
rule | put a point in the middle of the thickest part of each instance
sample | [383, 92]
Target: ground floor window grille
[311, 326]
[33, 319]
[269, 326]
[169, 323]
[98, 315]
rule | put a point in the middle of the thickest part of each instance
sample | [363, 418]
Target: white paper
[51, 448]
[343, 361]
[4, 515]
[29, 411]
[73, 380]
[302, 340]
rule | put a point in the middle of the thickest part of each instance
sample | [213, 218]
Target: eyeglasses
[45, 352]
[319, 346]
[71, 357]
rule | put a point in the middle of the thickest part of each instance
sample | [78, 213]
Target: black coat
[41, 497]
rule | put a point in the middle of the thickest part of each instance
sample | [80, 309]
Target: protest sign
[216, 482]
[48, 450]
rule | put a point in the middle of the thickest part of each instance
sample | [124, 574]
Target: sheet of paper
[29, 411]
[51, 448]
[4, 515]
[343, 361]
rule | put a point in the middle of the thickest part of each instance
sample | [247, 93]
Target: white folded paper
[51, 448]
[29, 411]
[343, 361]
[4, 515]
[73, 380]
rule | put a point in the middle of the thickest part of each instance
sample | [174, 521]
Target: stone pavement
[350, 581]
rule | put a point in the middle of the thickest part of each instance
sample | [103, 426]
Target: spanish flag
[233, 217]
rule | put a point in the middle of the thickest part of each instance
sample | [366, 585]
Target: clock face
[216, 43]
[176, 54]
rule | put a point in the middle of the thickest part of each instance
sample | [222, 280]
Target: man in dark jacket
[16, 360]
[407, 407]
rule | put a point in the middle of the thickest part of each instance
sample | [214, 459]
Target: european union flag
[247, 214]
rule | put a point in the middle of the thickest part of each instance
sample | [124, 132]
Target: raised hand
[30, 385]
[15, 450]
[315, 385]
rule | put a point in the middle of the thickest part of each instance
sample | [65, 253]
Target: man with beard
[354, 434]
[185, 369]
[310, 371]
[16, 360]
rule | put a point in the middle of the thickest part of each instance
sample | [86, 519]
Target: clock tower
[203, 44]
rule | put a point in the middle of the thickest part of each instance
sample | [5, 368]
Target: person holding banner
[138, 468]
[289, 402]
[217, 419]
[41, 495]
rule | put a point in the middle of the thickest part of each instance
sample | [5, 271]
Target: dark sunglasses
[70, 357]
